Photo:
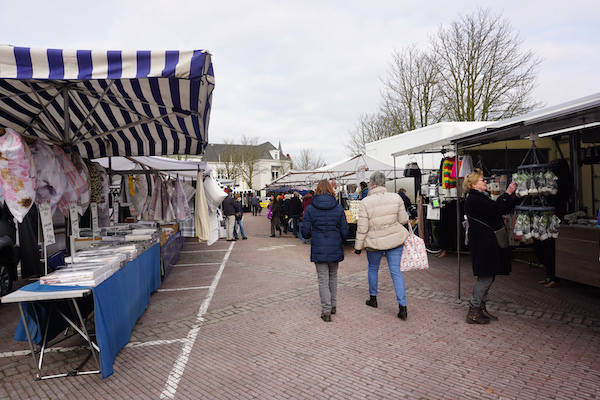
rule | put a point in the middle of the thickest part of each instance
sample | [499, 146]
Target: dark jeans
[546, 253]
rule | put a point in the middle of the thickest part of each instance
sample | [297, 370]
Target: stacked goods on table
[84, 274]
[91, 267]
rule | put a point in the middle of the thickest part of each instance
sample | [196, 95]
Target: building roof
[213, 150]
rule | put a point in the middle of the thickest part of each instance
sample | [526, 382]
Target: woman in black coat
[489, 260]
[275, 215]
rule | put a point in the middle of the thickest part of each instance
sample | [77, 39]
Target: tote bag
[414, 254]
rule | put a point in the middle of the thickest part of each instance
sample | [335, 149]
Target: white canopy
[170, 166]
[428, 142]
[356, 168]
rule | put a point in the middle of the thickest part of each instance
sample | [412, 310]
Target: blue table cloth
[119, 302]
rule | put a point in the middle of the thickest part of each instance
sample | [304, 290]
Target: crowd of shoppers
[318, 218]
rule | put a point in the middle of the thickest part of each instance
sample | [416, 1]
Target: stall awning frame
[108, 103]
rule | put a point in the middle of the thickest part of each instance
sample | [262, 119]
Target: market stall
[557, 209]
[60, 110]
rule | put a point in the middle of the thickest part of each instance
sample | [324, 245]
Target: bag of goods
[543, 227]
[521, 181]
[553, 226]
[531, 186]
[527, 235]
[50, 184]
[551, 183]
[17, 174]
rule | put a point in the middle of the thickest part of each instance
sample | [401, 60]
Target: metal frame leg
[87, 336]
[31, 346]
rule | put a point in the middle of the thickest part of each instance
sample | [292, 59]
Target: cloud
[302, 72]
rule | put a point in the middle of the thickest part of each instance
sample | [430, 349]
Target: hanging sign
[47, 225]
[94, 211]
[74, 216]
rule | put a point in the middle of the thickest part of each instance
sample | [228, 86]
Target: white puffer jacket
[381, 216]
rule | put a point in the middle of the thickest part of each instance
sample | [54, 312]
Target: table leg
[44, 341]
[31, 346]
[87, 336]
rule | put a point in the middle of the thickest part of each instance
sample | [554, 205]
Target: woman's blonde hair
[324, 187]
[472, 179]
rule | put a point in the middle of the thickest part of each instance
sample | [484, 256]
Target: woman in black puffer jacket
[325, 221]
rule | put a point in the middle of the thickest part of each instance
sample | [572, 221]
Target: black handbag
[501, 234]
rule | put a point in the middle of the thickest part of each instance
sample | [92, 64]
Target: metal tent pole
[457, 217]
[395, 190]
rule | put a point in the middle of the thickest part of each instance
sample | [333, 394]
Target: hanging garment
[84, 198]
[155, 207]
[189, 190]
[466, 166]
[17, 174]
[202, 222]
[137, 194]
[447, 181]
[50, 182]
[182, 210]
[75, 183]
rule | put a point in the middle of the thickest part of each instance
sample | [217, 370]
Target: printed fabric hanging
[17, 174]
[76, 185]
[50, 184]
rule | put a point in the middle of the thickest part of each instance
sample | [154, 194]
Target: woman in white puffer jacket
[381, 231]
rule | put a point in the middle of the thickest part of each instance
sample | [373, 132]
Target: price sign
[94, 210]
[47, 225]
[74, 216]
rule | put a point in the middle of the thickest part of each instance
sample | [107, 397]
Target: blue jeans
[393, 257]
[296, 224]
[238, 223]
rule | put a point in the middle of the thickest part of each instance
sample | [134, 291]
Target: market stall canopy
[172, 167]
[346, 170]
[581, 114]
[430, 139]
[108, 103]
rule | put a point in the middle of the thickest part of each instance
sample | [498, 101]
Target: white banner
[47, 225]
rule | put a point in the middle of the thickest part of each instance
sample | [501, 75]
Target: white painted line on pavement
[67, 349]
[179, 366]
[183, 288]
[201, 251]
[270, 248]
[195, 264]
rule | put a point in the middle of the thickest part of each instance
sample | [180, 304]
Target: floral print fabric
[17, 174]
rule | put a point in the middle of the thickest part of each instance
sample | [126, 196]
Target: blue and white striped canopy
[108, 103]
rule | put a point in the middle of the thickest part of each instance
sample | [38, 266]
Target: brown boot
[475, 316]
[485, 312]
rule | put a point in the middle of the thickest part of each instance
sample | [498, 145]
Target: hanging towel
[201, 217]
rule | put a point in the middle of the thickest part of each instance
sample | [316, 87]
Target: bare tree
[307, 160]
[229, 160]
[248, 158]
[411, 92]
[484, 74]
[369, 128]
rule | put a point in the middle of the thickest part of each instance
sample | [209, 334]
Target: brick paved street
[243, 322]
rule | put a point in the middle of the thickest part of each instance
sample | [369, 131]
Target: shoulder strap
[481, 222]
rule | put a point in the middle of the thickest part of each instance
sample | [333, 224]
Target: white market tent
[169, 166]
[350, 170]
[428, 142]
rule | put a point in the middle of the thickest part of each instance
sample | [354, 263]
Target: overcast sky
[301, 72]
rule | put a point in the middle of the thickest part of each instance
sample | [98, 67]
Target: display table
[118, 303]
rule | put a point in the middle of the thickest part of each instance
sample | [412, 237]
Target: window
[275, 172]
